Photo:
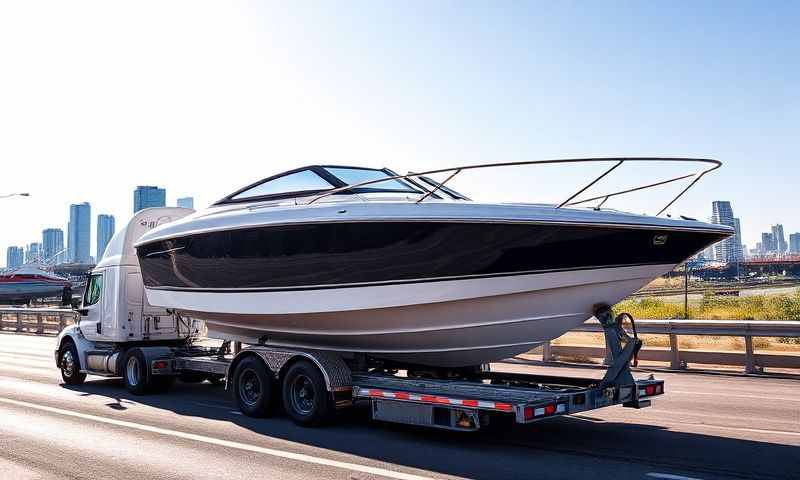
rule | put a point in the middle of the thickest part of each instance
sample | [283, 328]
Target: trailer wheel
[305, 395]
[70, 365]
[134, 372]
[253, 388]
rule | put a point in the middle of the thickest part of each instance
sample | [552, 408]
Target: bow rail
[570, 201]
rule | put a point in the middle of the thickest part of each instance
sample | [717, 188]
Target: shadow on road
[521, 451]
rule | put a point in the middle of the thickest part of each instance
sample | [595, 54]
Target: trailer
[121, 335]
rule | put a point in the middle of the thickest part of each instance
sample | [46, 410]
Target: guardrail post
[39, 323]
[61, 322]
[675, 357]
[547, 352]
[237, 347]
[19, 321]
[749, 357]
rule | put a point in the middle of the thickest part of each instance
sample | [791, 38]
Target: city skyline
[53, 245]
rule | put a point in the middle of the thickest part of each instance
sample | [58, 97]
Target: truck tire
[70, 365]
[134, 372]
[305, 395]
[253, 388]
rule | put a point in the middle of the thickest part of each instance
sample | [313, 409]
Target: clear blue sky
[202, 98]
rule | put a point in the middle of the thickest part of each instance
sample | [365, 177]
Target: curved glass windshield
[302, 181]
[352, 176]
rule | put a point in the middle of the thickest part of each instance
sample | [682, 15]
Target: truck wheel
[305, 395]
[70, 365]
[253, 388]
[134, 372]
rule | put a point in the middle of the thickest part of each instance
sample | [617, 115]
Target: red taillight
[160, 364]
[528, 413]
[650, 390]
[549, 409]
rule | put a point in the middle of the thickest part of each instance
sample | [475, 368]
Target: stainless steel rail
[618, 161]
[36, 320]
[678, 359]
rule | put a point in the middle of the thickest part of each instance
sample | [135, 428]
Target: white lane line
[744, 429]
[223, 443]
[737, 395]
[35, 370]
[669, 476]
[24, 358]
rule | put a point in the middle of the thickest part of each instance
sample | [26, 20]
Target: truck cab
[114, 311]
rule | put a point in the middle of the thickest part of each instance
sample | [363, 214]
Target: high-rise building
[186, 202]
[79, 233]
[728, 250]
[737, 244]
[105, 230]
[768, 243]
[780, 240]
[53, 245]
[794, 243]
[33, 254]
[15, 256]
[146, 196]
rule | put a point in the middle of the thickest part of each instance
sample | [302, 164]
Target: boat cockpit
[319, 179]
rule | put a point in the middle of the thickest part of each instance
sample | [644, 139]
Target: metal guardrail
[36, 320]
[678, 359]
[53, 320]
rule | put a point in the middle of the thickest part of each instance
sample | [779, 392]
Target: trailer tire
[305, 395]
[253, 388]
[134, 372]
[70, 365]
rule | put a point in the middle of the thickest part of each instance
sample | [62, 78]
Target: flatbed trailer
[257, 375]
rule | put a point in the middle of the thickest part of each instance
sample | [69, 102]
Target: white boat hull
[443, 323]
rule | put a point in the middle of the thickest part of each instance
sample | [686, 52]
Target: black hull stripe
[396, 282]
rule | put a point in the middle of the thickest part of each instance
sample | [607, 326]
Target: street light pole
[16, 195]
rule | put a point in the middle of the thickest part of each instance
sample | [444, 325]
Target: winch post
[618, 373]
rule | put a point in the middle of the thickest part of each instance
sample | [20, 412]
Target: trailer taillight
[544, 410]
[160, 364]
[650, 390]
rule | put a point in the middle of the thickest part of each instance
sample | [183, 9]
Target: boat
[32, 282]
[403, 267]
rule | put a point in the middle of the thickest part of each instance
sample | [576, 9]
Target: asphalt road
[706, 426]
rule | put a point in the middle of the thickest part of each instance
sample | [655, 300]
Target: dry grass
[687, 342]
[755, 307]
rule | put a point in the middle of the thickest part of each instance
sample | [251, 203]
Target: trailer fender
[335, 372]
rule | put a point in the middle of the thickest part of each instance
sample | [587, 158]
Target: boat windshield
[353, 175]
[302, 181]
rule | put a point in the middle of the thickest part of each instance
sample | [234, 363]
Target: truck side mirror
[83, 311]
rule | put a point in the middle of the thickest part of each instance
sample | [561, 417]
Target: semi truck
[119, 334]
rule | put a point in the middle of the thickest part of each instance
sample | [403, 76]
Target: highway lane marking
[50, 371]
[745, 429]
[678, 413]
[669, 476]
[5, 357]
[737, 395]
[223, 443]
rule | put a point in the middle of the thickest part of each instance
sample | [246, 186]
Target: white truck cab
[114, 312]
